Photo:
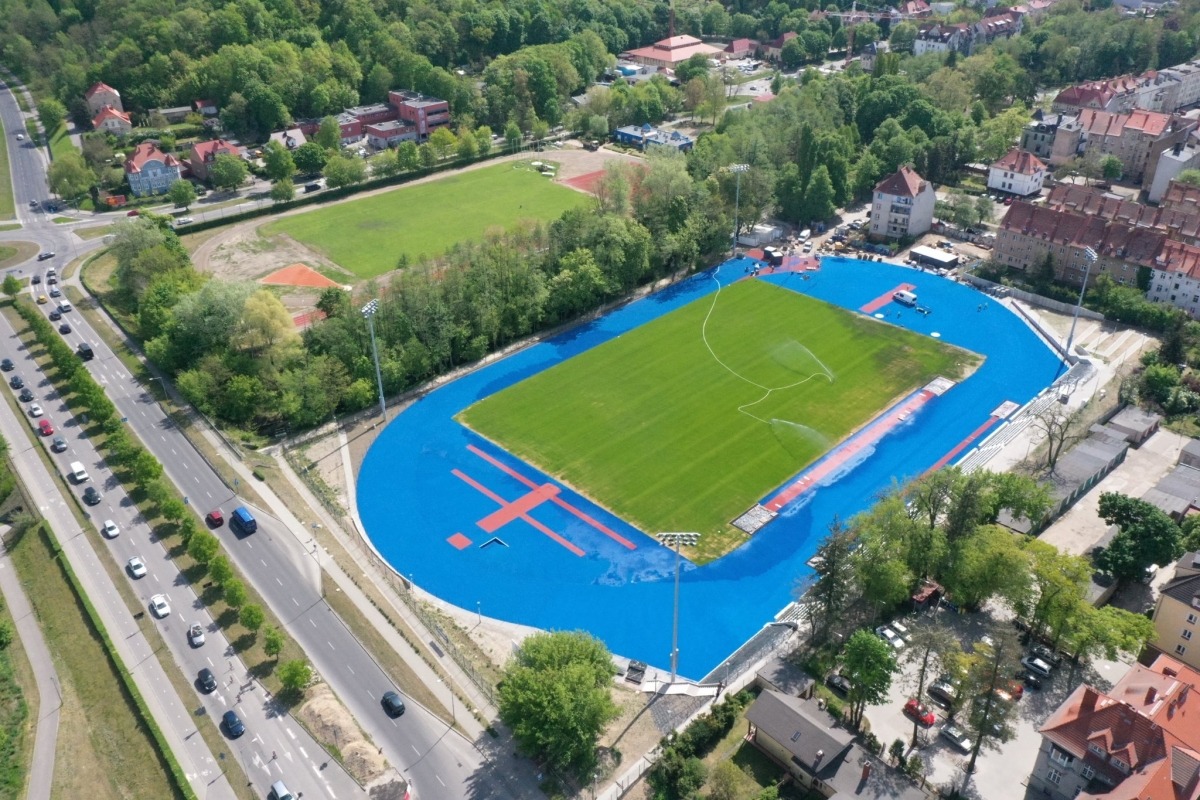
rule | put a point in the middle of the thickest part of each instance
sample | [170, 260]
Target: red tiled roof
[741, 46]
[1106, 123]
[1181, 194]
[148, 151]
[99, 86]
[1178, 221]
[675, 49]
[214, 148]
[1020, 161]
[107, 112]
[904, 182]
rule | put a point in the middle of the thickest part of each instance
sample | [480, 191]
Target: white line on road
[288, 731]
[439, 780]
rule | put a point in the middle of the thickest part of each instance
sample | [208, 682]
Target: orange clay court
[299, 275]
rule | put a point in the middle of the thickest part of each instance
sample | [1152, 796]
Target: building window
[1097, 749]
[1061, 756]
[1186, 635]
[1087, 773]
[1191, 619]
[1054, 776]
[1121, 765]
[1180, 649]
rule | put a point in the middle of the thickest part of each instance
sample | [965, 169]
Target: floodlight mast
[737, 169]
[677, 539]
[368, 312]
[1090, 257]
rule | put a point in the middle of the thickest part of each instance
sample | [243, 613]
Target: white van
[77, 472]
[279, 792]
[905, 298]
[805, 235]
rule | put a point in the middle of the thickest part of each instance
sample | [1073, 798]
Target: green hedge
[164, 750]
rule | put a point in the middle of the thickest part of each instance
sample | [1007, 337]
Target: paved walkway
[41, 770]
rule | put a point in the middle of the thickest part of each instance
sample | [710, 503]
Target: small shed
[780, 675]
[1190, 455]
[934, 258]
[1136, 424]
[1178, 493]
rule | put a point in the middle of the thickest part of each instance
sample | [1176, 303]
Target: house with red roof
[902, 205]
[742, 48]
[112, 121]
[203, 155]
[101, 95]
[1139, 740]
[1137, 138]
[671, 51]
[149, 170]
[1017, 172]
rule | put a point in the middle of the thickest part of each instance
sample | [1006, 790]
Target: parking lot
[1003, 768]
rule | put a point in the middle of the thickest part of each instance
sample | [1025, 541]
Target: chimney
[1151, 694]
[817, 760]
[866, 773]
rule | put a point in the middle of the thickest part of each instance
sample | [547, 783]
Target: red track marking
[479, 487]
[558, 501]
[517, 508]
[963, 444]
[885, 298]
[861, 440]
[459, 541]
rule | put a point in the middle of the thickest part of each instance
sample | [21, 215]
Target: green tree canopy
[228, 172]
[182, 194]
[869, 663]
[1146, 536]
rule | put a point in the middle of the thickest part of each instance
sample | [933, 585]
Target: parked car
[393, 706]
[890, 636]
[133, 212]
[957, 737]
[943, 690]
[1036, 666]
[839, 683]
[206, 680]
[1045, 654]
[136, 567]
[160, 606]
[1031, 680]
[917, 710]
[196, 634]
[233, 724]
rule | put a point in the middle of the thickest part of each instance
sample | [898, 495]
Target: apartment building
[1136, 138]
[902, 205]
[1018, 172]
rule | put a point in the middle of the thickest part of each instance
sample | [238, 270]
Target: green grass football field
[657, 427]
[368, 236]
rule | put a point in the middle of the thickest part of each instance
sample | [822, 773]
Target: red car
[45, 427]
[215, 518]
[133, 213]
[920, 712]
[1011, 691]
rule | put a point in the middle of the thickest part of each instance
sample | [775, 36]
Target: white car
[184, 221]
[137, 567]
[890, 636]
[110, 529]
[1036, 666]
[20, 137]
[160, 606]
[35, 410]
[957, 737]
[196, 634]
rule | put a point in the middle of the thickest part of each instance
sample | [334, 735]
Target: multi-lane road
[436, 760]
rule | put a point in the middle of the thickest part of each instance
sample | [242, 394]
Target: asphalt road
[277, 562]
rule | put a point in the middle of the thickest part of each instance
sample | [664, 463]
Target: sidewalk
[41, 768]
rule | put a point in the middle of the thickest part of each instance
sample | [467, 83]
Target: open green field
[369, 236]
[6, 195]
[659, 429]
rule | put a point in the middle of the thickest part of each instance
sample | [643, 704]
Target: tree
[309, 158]
[52, 114]
[273, 641]
[1060, 427]
[295, 675]
[220, 570]
[831, 594]
[988, 673]
[555, 697]
[278, 162]
[1111, 168]
[904, 35]
[344, 171]
[234, 591]
[819, 199]
[1106, 631]
[283, 191]
[407, 157]
[203, 547]
[1190, 177]
[443, 142]
[228, 172]
[869, 663]
[12, 285]
[931, 649]
[1059, 583]
[329, 134]
[145, 468]
[984, 209]
[692, 67]
[70, 177]
[1146, 536]
[252, 617]
[182, 194]
[724, 782]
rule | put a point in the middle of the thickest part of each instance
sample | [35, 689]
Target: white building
[1185, 155]
[1018, 172]
[902, 205]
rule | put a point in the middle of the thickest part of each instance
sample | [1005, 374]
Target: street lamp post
[676, 539]
[736, 169]
[368, 311]
[1090, 257]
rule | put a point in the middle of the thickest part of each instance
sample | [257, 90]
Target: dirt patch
[332, 724]
[299, 275]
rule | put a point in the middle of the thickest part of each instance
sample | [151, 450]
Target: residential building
[350, 126]
[1018, 172]
[203, 154]
[1033, 8]
[389, 134]
[942, 38]
[1117, 95]
[206, 107]
[172, 115]
[1181, 224]
[1135, 742]
[645, 136]
[1181, 197]
[151, 171]
[1038, 136]
[1171, 162]
[112, 121]
[773, 50]
[902, 205]
[1175, 277]
[424, 113]
[870, 53]
[824, 759]
[291, 138]
[994, 27]
[671, 51]
[1136, 138]
[741, 48]
[1177, 612]
[101, 95]
[914, 8]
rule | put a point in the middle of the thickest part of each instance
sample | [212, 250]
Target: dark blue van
[243, 521]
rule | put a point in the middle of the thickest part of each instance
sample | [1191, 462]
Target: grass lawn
[18, 690]
[7, 211]
[60, 142]
[654, 427]
[368, 236]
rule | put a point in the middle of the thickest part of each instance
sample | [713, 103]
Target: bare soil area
[331, 723]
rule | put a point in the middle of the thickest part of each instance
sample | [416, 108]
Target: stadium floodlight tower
[737, 169]
[677, 539]
[368, 312]
[1090, 257]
